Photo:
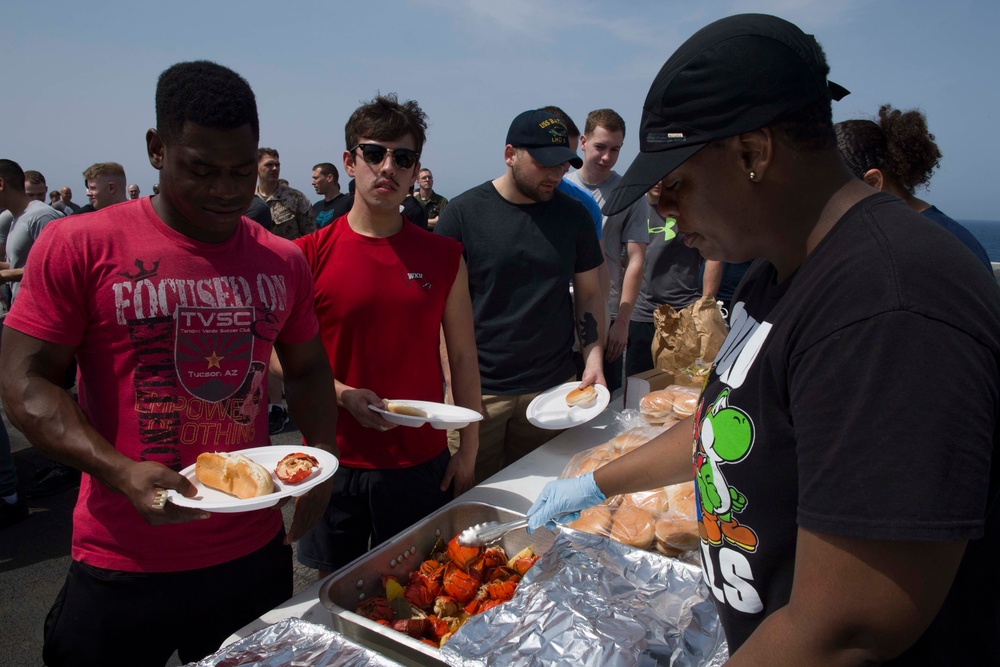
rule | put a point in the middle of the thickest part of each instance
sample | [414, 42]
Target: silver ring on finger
[160, 499]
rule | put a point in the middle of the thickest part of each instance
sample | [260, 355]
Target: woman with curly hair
[898, 154]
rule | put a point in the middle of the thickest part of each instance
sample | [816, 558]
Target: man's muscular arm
[31, 379]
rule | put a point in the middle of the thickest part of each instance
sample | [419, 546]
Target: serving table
[514, 488]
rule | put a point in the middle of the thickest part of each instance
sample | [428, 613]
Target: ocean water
[988, 233]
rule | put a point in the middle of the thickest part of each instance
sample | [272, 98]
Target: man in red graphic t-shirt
[171, 305]
[385, 289]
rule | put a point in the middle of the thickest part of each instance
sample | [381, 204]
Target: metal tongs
[485, 534]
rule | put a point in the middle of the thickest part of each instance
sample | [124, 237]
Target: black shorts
[368, 507]
[107, 617]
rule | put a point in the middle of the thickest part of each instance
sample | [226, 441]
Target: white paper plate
[439, 415]
[212, 500]
[549, 409]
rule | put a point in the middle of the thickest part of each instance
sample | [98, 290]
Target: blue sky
[79, 79]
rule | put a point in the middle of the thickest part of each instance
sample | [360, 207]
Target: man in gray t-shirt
[670, 275]
[29, 218]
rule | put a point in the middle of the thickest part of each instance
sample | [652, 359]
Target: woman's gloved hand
[564, 498]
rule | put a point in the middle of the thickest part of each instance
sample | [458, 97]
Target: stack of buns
[661, 520]
[670, 405]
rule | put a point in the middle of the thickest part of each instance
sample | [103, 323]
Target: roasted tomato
[295, 467]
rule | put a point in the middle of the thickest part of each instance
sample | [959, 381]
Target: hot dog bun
[403, 409]
[234, 474]
[581, 397]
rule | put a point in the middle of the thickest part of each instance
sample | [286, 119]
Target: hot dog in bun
[234, 474]
[581, 397]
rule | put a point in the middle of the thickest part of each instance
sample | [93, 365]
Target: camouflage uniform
[434, 206]
[291, 212]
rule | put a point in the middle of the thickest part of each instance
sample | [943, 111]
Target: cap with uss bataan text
[544, 137]
[738, 74]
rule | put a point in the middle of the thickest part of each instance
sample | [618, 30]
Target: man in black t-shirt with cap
[524, 242]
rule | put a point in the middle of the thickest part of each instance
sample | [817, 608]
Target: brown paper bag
[690, 337]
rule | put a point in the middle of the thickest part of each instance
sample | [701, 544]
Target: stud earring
[753, 175]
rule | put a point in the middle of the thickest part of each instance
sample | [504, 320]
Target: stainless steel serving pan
[346, 588]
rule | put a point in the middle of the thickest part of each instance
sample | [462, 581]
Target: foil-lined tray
[360, 579]
[592, 601]
[587, 601]
[294, 642]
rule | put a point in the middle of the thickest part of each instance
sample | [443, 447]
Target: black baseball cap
[544, 137]
[738, 74]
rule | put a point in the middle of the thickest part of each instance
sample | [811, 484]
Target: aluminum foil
[592, 601]
[294, 642]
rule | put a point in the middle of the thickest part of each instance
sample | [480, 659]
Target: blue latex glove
[564, 497]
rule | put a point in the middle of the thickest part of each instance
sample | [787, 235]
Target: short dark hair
[261, 152]
[571, 128]
[899, 145]
[386, 119]
[12, 175]
[327, 169]
[34, 177]
[204, 93]
[606, 118]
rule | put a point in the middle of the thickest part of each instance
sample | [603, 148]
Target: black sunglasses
[404, 158]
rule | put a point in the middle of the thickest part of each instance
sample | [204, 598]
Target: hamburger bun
[629, 440]
[633, 526]
[403, 409]
[596, 520]
[592, 461]
[674, 401]
[233, 473]
[581, 397]
[676, 534]
[682, 499]
[685, 403]
[654, 502]
[656, 404]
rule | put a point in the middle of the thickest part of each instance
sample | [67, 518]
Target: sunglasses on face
[404, 158]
